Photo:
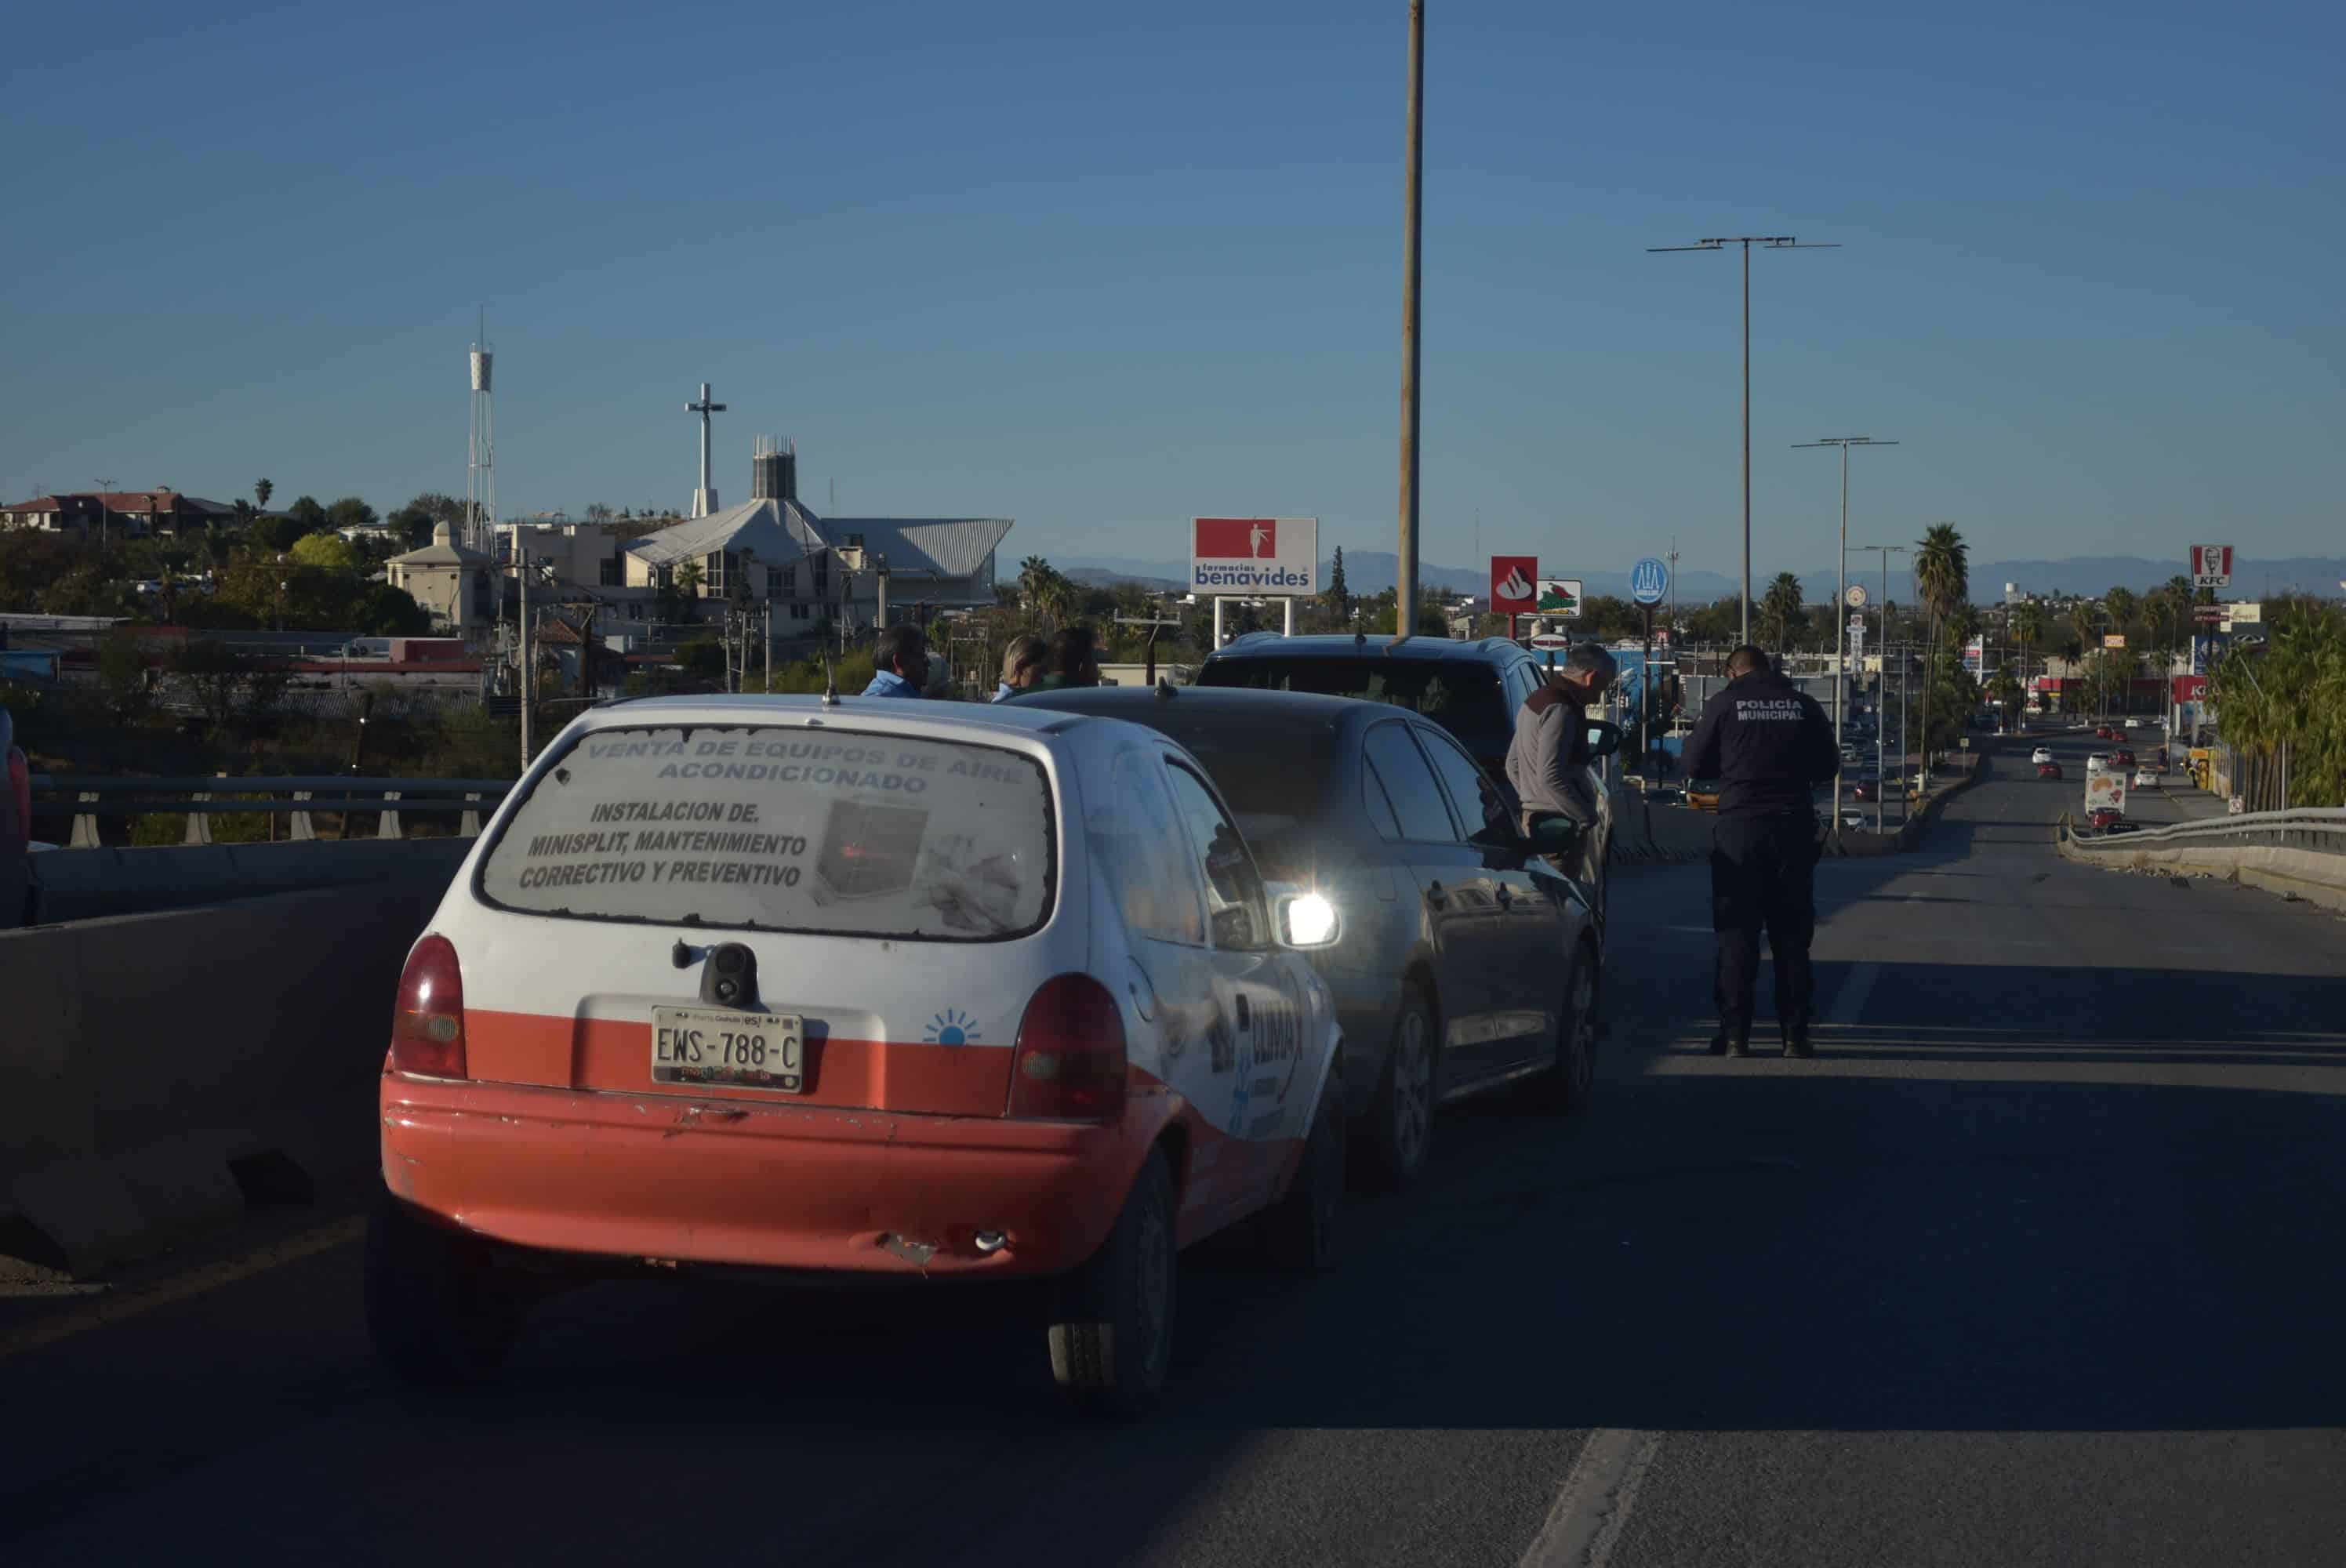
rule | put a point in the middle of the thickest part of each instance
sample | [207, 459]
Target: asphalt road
[2040, 1263]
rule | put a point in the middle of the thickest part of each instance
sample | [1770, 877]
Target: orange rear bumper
[808, 1187]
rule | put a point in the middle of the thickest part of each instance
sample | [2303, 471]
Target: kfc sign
[2211, 566]
[1277, 558]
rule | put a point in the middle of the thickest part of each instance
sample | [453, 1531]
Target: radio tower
[481, 477]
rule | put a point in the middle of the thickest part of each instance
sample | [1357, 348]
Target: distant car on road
[2041, 756]
[2144, 779]
[2134, 724]
[1485, 971]
[2124, 825]
[2122, 756]
[2104, 818]
[919, 993]
[2104, 732]
[1864, 789]
[2048, 770]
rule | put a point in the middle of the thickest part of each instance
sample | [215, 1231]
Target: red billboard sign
[1515, 585]
[2211, 566]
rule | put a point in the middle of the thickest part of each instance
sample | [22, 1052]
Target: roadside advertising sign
[2208, 613]
[1558, 640]
[2113, 640]
[2251, 614]
[2211, 566]
[1513, 583]
[1855, 597]
[1649, 581]
[1560, 597]
[1268, 557]
[1975, 656]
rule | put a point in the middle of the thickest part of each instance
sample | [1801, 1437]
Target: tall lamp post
[1770, 242]
[1412, 209]
[1840, 630]
[1879, 744]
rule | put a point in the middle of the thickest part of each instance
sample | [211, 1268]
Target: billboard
[2248, 615]
[2104, 786]
[1649, 581]
[2113, 640]
[1560, 597]
[2211, 566]
[1513, 583]
[1270, 558]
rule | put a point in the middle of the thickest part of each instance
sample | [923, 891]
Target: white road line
[1849, 1001]
[1592, 1508]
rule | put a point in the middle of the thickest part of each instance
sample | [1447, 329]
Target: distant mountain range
[1374, 571]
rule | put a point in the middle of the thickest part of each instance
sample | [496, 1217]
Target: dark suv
[1470, 688]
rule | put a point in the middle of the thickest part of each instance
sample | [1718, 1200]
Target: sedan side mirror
[1602, 739]
[1307, 921]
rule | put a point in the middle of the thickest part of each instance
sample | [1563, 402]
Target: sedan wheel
[1112, 1325]
[1405, 1108]
[1569, 1089]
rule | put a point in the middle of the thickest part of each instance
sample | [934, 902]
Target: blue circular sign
[1649, 581]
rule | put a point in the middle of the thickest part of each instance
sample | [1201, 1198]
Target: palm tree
[261, 491]
[1943, 579]
[2027, 621]
[2122, 605]
[1032, 573]
[1780, 607]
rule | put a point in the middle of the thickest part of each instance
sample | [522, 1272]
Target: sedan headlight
[1309, 921]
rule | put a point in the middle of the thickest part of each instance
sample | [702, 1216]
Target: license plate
[736, 1050]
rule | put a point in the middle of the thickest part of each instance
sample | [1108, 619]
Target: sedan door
[1529, 932]
[1460, 892]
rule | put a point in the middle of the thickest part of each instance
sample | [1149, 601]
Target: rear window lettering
[776, 829]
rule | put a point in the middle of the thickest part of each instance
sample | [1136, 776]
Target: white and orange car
[854, 989]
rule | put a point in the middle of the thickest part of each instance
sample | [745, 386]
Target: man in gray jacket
[1548, 763]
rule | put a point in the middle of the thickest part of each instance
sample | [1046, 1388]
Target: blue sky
[1098, 267]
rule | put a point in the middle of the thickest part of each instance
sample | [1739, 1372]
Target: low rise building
[128, 512]
[459, 586]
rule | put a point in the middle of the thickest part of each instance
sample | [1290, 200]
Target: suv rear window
[1464, 697]
[775, 828]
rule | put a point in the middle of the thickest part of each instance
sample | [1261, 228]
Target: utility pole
[1771, 242]
[1840, 596]
[1405, 598]
[105, 488]
[1881, 743]
[527, 686]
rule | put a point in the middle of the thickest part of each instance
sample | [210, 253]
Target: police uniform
[1769, 744]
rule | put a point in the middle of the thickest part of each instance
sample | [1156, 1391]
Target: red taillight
[427, 1022]
[1069, 1061]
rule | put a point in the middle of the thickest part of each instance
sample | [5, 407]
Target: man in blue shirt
[902, 661]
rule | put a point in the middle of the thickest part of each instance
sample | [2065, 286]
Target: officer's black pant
[1763, 872]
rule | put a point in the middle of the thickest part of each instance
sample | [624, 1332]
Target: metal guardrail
[86, 798]
[2303, 827]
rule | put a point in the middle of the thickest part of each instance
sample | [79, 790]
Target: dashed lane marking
[1592, 1507]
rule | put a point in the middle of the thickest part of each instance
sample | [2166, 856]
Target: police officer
[1769, 744]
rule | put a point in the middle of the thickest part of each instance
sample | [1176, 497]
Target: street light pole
[1405, 599]
[1840, 595]
[1886, 551]
[1771, 242]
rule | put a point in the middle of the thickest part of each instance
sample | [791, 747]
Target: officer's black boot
[1728, 1045]
[1796, 1040]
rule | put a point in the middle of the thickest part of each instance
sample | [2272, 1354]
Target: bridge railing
[86, 797]
[2303, 827]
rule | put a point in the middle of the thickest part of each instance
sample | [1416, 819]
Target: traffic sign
[1649, 581]
[1855, 596]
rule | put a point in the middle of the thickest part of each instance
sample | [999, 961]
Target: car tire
[1299, 1231]
[1570, 1085]
[439, 1313]
[1111, 1331]
[1401, 1117]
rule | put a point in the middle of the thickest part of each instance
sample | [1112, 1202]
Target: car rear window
[1461, 696]
[1262, 765]
[774, 828]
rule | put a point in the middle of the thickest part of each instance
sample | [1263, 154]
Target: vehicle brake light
[427, 1021]
[1069, 1061]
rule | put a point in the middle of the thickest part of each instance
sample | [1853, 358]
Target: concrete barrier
[83, 884]
[156, 1067]
[2313, 875]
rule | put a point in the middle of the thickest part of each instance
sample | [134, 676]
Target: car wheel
[1401, 1120]
[1112, 1323]
[438, 1312]
[1569, 1088]
[1298, 1232]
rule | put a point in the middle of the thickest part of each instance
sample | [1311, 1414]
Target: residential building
[457, 586]
[128, 513]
